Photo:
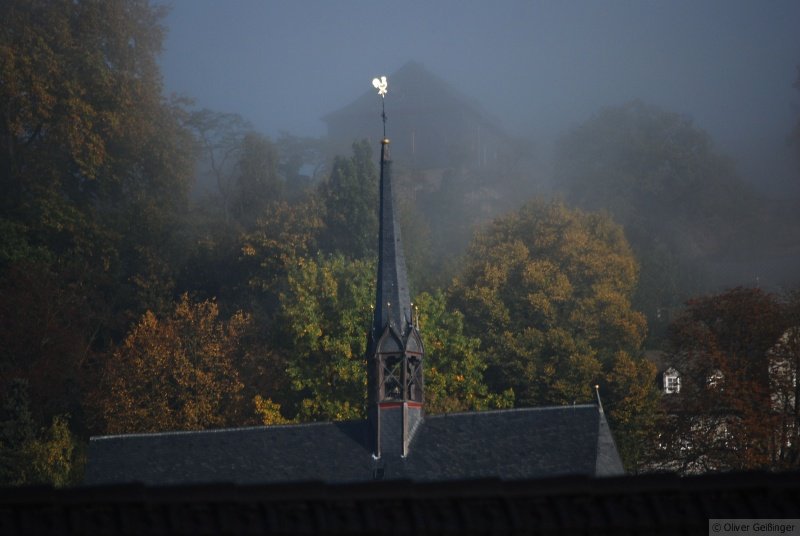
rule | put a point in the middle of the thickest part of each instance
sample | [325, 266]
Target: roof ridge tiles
[242, 429]
[235, 429]
[513, 410]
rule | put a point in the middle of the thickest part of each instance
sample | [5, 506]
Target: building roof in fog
[508, 444]
[414, 89]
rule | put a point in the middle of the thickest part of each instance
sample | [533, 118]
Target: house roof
[508, 444]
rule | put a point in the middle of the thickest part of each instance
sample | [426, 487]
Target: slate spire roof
[392, 302]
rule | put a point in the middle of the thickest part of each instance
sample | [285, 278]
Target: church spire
[392, 303]
[395, 349]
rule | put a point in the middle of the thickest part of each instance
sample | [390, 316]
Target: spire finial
[599, 402]
[381, 85]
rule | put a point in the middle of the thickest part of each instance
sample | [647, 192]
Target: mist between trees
[169, 268]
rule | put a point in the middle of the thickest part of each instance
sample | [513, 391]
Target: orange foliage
[176, 373]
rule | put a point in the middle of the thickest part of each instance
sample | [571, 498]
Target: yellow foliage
[268, 411]
[549, 290]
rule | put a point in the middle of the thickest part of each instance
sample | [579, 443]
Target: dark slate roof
[331, 451]
[509, 444]
[392, 302]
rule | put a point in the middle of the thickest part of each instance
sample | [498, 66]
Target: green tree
[175, 373]
[454, 367]
[17, 432]
[349, 198]
[325, 317]
[55, 455]
[259, 185]
[221, 142]
[549, 288]
[300, 162]
[424, 272]
[29, 455]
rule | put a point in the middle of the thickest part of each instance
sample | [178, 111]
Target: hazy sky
[537, 67]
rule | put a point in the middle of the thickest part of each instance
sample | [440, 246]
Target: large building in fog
[433, 125]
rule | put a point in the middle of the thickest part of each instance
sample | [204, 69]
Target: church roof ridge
[514, 410]
[231, 429]
[241, 429]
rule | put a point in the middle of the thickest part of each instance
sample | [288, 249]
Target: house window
[672, 381]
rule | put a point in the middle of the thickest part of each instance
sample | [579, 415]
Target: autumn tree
[174, 373]
[785, 385]
[784, 371]
[86, 138]
[726, 415]
[94, 167]
[634, 406]
[94, 162]
[289, 231]
[47, 327]
[549, 289]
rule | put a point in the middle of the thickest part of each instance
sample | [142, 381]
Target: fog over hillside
[675, 117]
[539, 67]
